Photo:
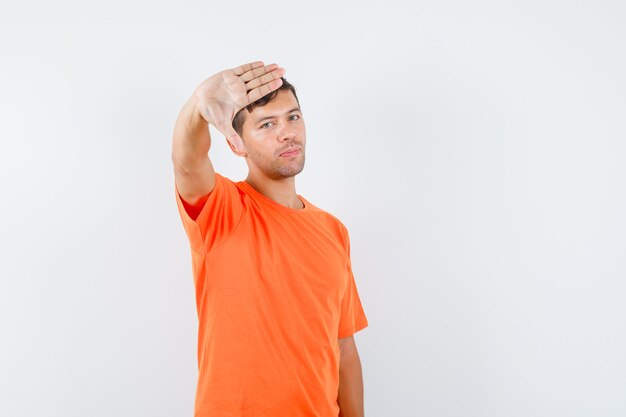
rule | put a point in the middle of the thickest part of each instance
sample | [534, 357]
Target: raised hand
[222, 95]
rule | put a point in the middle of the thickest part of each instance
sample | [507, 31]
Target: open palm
[222, 95]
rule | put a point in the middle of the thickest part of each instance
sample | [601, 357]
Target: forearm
[191, 136]
[350, 397]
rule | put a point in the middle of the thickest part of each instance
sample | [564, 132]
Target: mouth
[290, 152]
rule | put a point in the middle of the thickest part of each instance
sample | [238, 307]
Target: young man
[276, 299]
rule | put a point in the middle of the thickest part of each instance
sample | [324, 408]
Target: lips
[290, 152]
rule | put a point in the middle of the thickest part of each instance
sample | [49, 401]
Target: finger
[257, 72]
[247, 67]
[259, 92]
[277, 73]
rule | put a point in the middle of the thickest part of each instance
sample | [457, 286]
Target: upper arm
[194, 181]
[347, 345]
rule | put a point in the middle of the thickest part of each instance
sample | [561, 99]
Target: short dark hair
[239, 118]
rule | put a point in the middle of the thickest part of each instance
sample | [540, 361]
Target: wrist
[194, 117]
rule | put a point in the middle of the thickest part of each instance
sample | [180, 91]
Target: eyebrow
[271, 117]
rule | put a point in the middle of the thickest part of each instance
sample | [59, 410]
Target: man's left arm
[350, 398]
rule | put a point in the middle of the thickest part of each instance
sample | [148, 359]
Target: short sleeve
[217, 218]
[352, 317]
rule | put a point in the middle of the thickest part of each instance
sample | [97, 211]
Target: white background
[475, 151]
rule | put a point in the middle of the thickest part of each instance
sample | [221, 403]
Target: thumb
[231, 136]
[234, 139]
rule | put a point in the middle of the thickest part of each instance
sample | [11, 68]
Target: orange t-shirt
[274, 291]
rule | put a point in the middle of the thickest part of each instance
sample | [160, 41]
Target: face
[270, 130]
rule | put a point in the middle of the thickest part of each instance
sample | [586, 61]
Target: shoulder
[332, 223]
[228, 185]
[223, 179]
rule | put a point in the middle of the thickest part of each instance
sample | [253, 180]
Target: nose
[287, 134]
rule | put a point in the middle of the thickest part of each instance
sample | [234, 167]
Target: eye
[265, 125]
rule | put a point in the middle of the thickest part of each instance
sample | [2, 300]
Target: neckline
[269, 201]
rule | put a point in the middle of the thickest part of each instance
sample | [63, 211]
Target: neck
[282, 191]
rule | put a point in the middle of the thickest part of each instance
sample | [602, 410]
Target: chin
[285, 173]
